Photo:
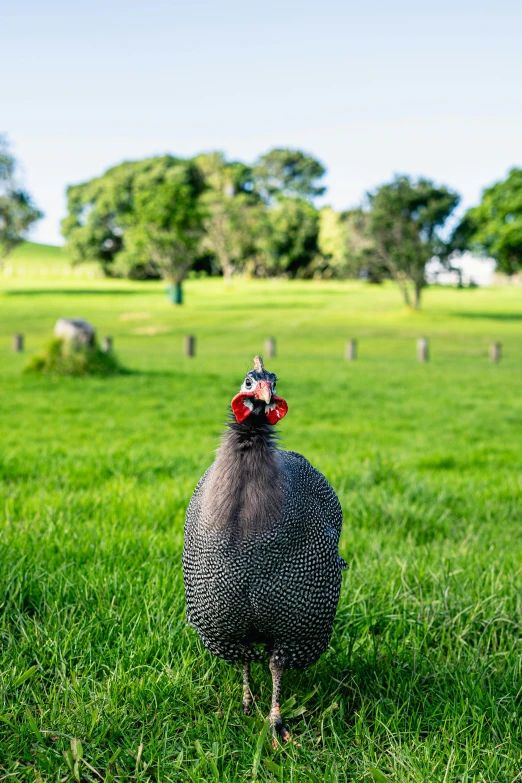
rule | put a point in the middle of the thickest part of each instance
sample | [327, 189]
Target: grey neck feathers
[244, 496]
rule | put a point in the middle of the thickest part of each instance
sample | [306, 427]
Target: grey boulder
[76, 331]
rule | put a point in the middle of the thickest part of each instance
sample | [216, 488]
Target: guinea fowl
[261, 567]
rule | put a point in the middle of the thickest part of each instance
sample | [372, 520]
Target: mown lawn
[423, 679]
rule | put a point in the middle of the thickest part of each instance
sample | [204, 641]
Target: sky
[370, 89]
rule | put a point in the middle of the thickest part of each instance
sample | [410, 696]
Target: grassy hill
[31, 261]
[422, 679]
[38, 253]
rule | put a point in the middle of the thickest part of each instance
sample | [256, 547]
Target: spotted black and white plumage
[261, 565]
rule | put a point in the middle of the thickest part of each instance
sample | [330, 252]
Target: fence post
[495, 352]
[423, 349]
[350, 353]
[270, 348]
[190, 345]
[106, 345]
[18, 343]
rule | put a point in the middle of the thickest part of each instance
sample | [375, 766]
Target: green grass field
[101, 679]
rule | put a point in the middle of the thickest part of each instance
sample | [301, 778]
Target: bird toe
[280, 732]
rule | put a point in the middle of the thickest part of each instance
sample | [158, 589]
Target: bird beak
[263, 391]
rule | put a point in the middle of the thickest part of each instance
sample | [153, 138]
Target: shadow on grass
[80, 291]
[400, 691]
[492, 316]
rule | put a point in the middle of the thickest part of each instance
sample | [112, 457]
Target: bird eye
[248, 382]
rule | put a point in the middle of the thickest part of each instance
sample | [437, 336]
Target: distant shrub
[63, 357]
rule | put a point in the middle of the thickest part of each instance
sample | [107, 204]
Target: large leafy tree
[288, 238]
[404, 222]
[139, 219]
[167, 225]
[233, 212]
[289, 174]
[99, 212]
[287, 181]
[494, 227]
[17, 210]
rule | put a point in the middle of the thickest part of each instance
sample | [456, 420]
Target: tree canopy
[99, 211]
[167, 221]
[494, 227]
[155, 217]
[139, 219]
[163, 216]
[288, 239]
[288, 174]
[404, 221]
[345, 244]
[232, 212]
[17, 210]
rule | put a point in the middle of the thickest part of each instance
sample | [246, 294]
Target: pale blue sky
[370, 89]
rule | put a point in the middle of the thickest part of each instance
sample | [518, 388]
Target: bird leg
[247, 691]
[278, 728]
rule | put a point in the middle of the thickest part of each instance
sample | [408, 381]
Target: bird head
[257, 396]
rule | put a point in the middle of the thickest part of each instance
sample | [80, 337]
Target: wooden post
[18, 343]
[350, 353]
[106, 345]
[495, 352]
[190, 345]
[270, 348]
[423, 349]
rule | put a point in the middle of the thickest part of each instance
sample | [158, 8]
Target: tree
[289, 174]
[167, 221]
[232, 212]
[139, 219]
[494, 227]
[17, 210]
[288, 238]
[231, 224]
[404, 222]
[344, 243]
[99, 212]
[332, 240]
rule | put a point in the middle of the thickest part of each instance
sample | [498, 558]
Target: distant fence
[22, 271]
[350, 352]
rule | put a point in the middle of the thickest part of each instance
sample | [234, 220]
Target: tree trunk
[175, 292]
[405, 293]
[418, 291]
[228, 270]
[402, 281]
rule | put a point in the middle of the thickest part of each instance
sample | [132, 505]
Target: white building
[473, 270]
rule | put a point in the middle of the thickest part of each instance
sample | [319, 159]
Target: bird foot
[247, 691]
[282, 735]
[288, 741]
[279, 731]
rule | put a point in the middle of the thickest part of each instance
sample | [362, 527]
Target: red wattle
[280, 410]
[242, 411]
